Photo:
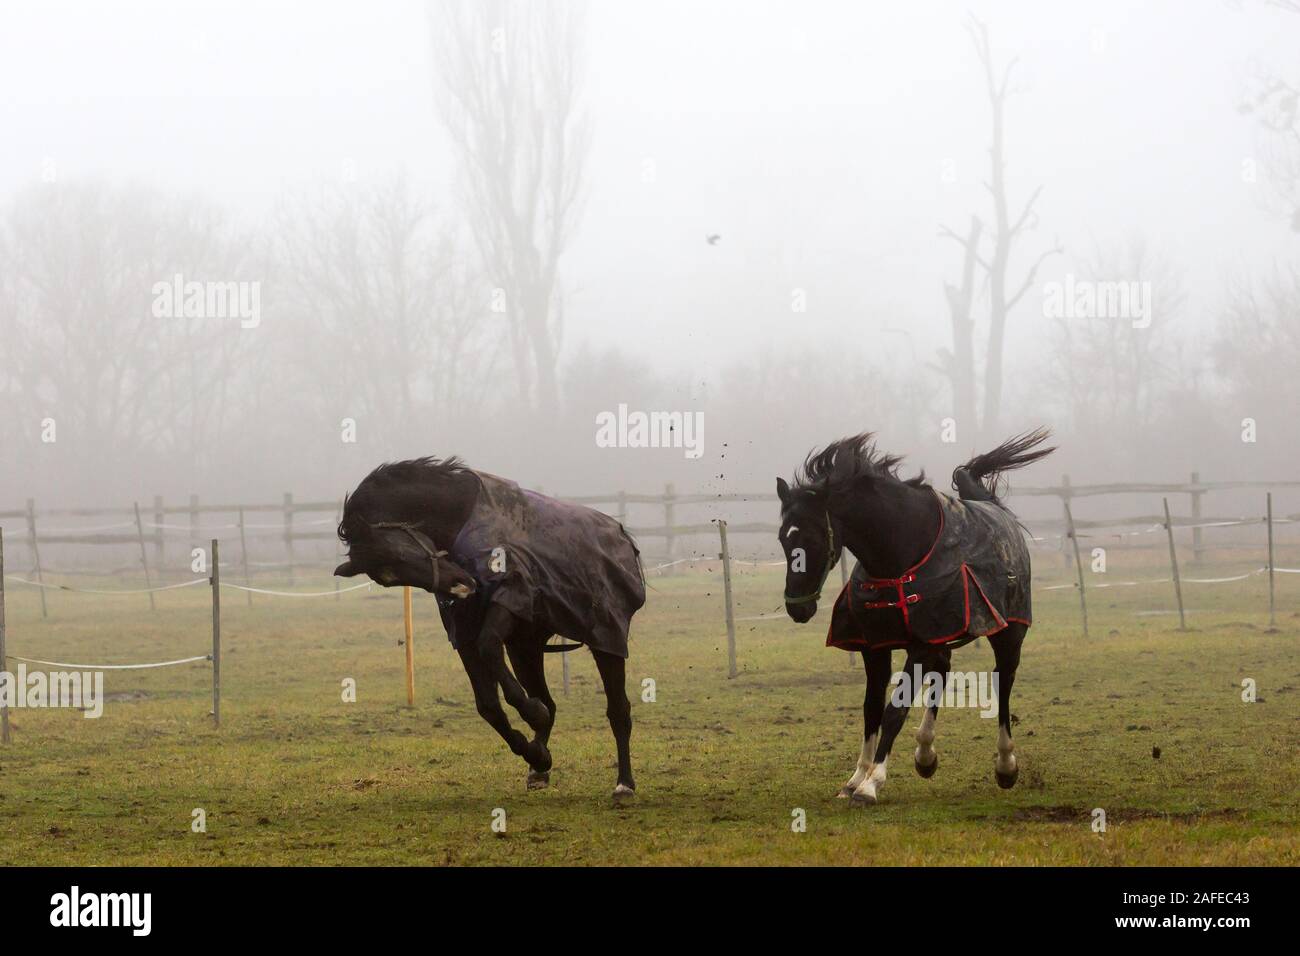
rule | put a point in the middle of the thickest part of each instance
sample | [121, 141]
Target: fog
[481, 229]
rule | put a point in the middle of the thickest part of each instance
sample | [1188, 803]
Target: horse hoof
[862, 799]
[1007, 780]
[926, 772]
[844, 792]
[539, 758]
[539, 781]
[623, 793]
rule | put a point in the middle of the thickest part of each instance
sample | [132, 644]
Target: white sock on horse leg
[925, 754]
[864, 764]
[1006, 762]
[871, 784]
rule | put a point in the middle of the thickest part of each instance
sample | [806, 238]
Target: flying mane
[398, 476]
[842, 462]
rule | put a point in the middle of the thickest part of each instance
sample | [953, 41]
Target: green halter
[832, 556]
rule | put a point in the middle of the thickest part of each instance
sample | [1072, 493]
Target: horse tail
[981, 477]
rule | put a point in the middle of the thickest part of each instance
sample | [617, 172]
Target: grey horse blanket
[566, 569]
[973, 581]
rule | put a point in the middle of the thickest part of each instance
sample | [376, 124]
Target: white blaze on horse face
[1006, 762]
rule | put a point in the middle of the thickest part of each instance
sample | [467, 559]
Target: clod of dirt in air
[1155, 753]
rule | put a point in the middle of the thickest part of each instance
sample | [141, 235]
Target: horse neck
[442, 507]
[890, 527]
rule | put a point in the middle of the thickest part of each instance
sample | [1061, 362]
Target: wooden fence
[151, 526]
[300, 521]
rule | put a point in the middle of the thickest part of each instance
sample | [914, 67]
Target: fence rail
[152, 526]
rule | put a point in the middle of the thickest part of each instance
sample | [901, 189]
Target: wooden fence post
[725, 555]
[1065, 500]
[288, 531]
[1078, 563]
[243, 553]
[670, 498]
[4, 711]
[159, 534]
[216, 634]
[36, 553]
[1196, 518]
[564, 673]
[1272, 613]
[194, 520]
[621, 515]
[410, 646]
[144, 555]
[1173, 564]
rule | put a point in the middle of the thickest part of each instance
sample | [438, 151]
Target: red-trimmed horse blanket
[971, 583]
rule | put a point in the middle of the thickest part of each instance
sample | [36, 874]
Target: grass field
[297, 776]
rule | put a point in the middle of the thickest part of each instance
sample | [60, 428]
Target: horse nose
[801, 613]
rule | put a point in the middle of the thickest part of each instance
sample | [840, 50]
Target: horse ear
[782, 490]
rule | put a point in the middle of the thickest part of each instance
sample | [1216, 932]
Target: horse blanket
[564, 568]
[972, 582]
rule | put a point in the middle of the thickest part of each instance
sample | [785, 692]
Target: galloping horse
[514, 568]
[934, 572]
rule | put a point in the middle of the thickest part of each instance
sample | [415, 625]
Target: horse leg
[527, 661]
[489, 708]
[876, 664]
[892, 722]
[500, 627]
[619, 711]
[1006, 654]
[925, 759]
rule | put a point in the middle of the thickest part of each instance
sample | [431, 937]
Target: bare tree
[85, 345]
[508, 96]
[1257, 350]
[959, 363]
[375, 302]
[1003, 296]
[1109, 371]
[1274, 100]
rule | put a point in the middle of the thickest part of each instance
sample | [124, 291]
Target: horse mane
[837, 466]
[400, 474]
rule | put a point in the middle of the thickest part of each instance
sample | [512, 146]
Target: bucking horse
[511, 568]
[933, 572]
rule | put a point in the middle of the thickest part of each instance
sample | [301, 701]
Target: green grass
[297, 776]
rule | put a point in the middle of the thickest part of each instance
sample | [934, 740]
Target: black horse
[934, 572]
[511, 568]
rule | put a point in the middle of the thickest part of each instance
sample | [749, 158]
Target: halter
[420, 538]
[832, 556]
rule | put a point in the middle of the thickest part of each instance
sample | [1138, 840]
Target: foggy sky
[811, 136]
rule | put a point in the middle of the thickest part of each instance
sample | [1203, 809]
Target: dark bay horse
[511, 568]
[934, 572]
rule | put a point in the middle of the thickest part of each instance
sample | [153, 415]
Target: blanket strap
[559, 648]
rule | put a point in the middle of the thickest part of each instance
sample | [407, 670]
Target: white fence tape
[109, 667]
[69, 587]
[296, 594]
